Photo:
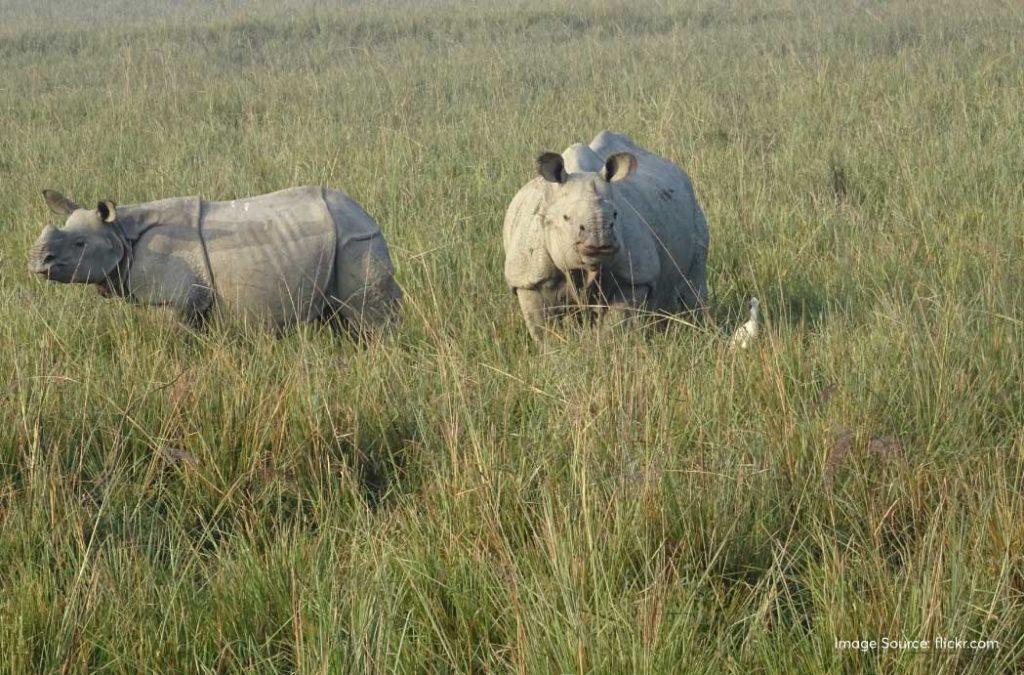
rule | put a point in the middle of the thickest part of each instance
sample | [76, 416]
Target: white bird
[747, 333]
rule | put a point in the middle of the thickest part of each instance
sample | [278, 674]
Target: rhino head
[86, 250]
[581, 210]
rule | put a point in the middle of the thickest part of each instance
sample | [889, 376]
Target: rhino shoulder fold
[638, 261]
[527, 262]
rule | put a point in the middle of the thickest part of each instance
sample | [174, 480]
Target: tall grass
[455, 498]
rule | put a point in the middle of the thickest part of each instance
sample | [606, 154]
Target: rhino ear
[107, 211]
[58, 203]
[619, 167]
[551, 167]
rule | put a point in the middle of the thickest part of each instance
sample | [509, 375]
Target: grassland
[455, 499]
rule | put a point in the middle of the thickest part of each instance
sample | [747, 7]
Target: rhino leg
[157, 283]
[195, 310]
[535, 311]
[694, 292]
[627, 305]
[367, 297]
[374, 309]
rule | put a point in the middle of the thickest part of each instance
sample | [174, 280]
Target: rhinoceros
[608, 227]
[300, 255]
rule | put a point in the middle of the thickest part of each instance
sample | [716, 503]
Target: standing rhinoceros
[299, 255]
[611, 227]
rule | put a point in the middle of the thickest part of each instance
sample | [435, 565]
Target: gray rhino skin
[612, 227]
[300, 255]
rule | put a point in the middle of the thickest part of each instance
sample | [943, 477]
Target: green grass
[455, 499]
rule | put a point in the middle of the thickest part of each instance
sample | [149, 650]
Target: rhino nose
[37, 266]
[40, 262]
[41, 257]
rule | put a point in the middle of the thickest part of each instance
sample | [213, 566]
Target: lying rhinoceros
[610, 227]
[299, 255]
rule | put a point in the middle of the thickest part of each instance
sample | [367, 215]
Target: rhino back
[272, 256]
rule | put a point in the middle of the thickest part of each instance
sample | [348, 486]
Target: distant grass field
[454, 498]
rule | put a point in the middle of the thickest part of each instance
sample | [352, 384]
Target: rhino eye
[615, 214]
[565, 216]
[80, 243]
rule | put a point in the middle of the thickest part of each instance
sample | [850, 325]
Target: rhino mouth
[598, 253]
